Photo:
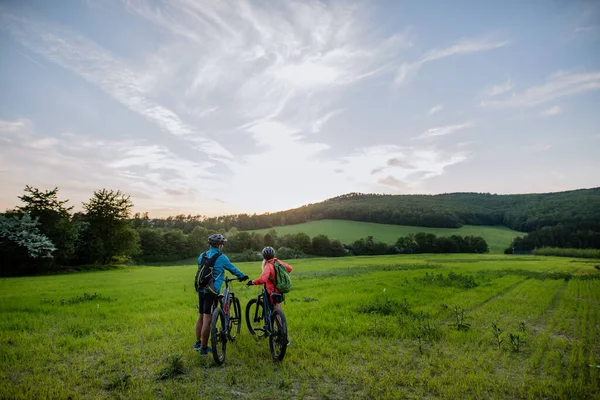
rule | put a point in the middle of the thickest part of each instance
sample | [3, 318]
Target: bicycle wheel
[254, 318]
[218, 336]
[279, 335]
[235, 318]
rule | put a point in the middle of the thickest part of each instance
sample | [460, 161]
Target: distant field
[497, 237]
[360, 328]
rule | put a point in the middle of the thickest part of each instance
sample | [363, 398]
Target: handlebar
[228, 279]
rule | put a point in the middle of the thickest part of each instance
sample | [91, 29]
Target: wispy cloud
[98, 66]
[498, 89]
[445, 130]
[83, 164]
[464, 46]
[558, 86]
[435, 109]
[318, 124]
[14, 126]
[551, 111]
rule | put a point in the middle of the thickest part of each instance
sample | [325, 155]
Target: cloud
[464, 46]
[558, 86]
[80, 164]
[14, 126]
[435, 109]
[496, 90]
[551, 111]
[392, 182]
[98, 66]
[445, 130]
[407, 168]
[237, 88]
[318, 124]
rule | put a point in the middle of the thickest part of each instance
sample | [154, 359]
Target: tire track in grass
[544, 323]
[499, 294]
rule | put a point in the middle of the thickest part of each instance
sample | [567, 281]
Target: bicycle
[273, 324]
[226, 321]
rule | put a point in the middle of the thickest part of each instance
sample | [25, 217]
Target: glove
[244, 278]
[250, 283]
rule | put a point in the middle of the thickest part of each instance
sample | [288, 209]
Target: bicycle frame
[266, 310]
[225, 300]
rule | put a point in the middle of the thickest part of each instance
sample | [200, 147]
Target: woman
[269, 278]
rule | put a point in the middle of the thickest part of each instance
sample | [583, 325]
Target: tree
[270, 238]
[152, 244]
[108, 234]
[197, 241]
[336, 249]
[321, 245]
[54, 220]
[23, 248]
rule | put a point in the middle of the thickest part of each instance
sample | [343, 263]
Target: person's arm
[232, 268]
[264, 277]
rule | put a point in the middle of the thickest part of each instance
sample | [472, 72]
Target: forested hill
[522, 212]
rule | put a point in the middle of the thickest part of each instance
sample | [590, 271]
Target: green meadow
[498, 238]
[426, 326]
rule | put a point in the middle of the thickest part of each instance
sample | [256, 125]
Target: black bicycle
[264, 322]
[226, 321]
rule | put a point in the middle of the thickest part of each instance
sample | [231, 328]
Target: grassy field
[427, 326]
[497, 237]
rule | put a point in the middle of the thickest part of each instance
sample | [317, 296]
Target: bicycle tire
[278, 339]
[235, 318]
[218, 336]
[255, 318]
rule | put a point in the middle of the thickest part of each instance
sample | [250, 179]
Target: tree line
[560, 236]
[43, 235]
[522, 212]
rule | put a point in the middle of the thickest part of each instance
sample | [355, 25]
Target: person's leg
[199, 321]
[209, 298]
[206, 329]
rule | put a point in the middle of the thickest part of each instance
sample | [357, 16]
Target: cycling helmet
[216, 239]
[268, 253]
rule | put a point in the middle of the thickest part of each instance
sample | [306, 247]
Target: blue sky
[215, 107]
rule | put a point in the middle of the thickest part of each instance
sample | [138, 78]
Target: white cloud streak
[499, 89]
[558, 86]
[445, 130]
[318, 125]
[435, 109]
[549, 112]
[464, 46]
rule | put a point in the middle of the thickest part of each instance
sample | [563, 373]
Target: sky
[220, 107]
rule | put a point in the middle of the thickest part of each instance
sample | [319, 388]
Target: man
[207, 295]
[269, 276]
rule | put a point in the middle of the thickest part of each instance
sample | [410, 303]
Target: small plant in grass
[460, 319]
[80, 299]
[385, 307]
[306, 299]
[515, 341]
[522, 326]
[173, 368]
[119, 381]
[497, 332]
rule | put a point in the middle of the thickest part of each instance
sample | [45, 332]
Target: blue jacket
[220, 266]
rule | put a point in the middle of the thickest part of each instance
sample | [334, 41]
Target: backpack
[204, 275]
[283, 283]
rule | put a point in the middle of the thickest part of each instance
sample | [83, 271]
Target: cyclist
[206, 297]
[268, 276]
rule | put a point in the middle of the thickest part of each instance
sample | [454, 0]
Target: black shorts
[205, 302]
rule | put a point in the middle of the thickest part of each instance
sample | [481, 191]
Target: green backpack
[283, 282]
